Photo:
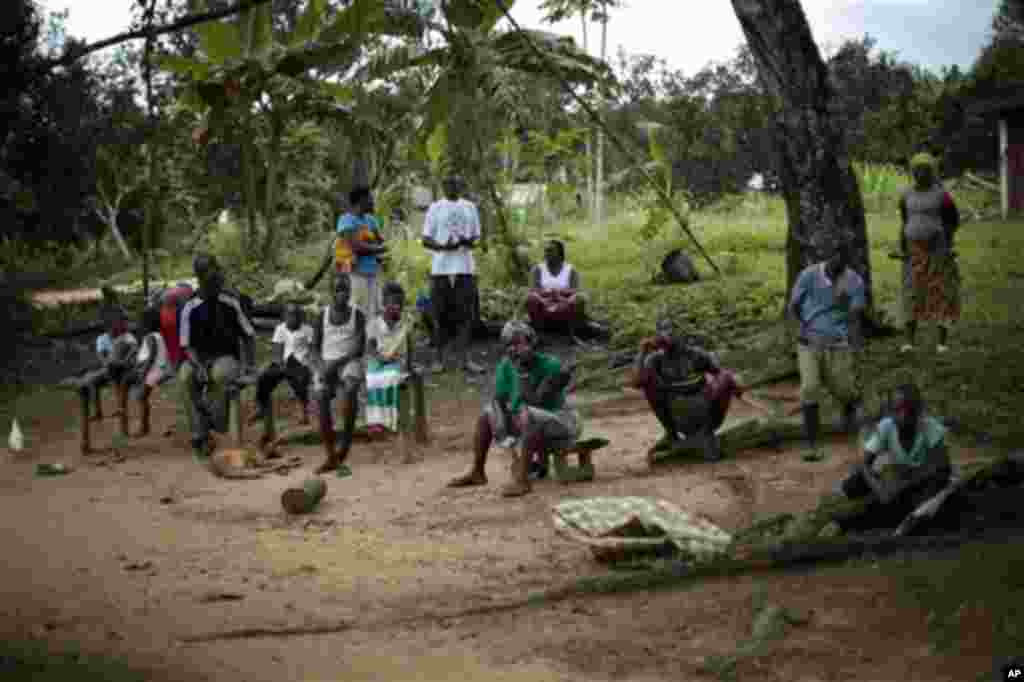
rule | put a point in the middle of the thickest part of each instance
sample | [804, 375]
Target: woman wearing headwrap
[931, 279]
[528, 409]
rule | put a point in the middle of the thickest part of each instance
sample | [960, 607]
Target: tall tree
[823, 201]
[589, 11]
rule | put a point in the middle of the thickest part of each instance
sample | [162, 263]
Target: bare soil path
[134, 557]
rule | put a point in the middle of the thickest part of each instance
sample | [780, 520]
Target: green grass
[985, 577]
[25, 661]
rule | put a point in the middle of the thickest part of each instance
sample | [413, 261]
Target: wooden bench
[91, 381]
[412, 417]
[563, 472]
[87, 384]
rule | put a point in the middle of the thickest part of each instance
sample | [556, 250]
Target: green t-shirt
[507, 381]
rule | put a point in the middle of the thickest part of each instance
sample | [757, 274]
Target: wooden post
[83, 395]
[122, 405]
[1004, 167]
[269, 423]
[96, 389]
[236, 419]
[419, 408]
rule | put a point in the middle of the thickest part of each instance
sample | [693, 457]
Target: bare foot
[470, 479]
[142, 433]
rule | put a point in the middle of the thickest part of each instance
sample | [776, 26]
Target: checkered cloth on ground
[639, 520]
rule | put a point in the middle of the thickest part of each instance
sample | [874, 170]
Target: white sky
[932, 33]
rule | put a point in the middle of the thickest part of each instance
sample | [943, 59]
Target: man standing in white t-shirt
[290, 352]
[451, 230]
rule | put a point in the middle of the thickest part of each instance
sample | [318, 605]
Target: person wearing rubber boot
[339, 341]
[828, 300]
[906, 462]
[214, 332]
[687, 390]
[528, 409]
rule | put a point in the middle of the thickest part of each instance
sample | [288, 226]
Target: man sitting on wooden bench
[213, 330]
[528, 408]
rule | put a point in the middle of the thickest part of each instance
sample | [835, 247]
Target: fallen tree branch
[184, 22]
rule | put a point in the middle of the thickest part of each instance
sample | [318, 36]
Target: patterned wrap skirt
[931, 285]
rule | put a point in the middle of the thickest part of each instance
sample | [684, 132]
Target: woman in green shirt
[528, 409]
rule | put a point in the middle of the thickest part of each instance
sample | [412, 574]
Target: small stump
[304, 499]
[565, 473]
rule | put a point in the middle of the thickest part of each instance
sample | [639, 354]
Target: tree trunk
[111, 220]
[269, 254]
[249, 196]
[589, 137]
[360, 169]
[823, 201]
[599, 172]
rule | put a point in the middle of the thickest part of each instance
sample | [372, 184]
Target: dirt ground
[133, 557]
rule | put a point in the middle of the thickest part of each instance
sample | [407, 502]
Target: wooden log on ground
[304, 499]
[745, 434]
[844, 548]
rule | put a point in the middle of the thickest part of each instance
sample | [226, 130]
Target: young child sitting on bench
[116, 350]
[152, 365]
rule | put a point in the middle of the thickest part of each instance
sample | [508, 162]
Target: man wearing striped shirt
[214, 331]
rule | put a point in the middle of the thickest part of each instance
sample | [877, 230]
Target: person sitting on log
[528, 408]
[290, 360]
[152, 365]
[388, 360]
[116, 349]
[555, 303]
[687, 390]
[214, 331]
[339, 341]
[906, 462]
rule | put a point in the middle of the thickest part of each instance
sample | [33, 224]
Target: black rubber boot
[852, 416]
[712, 447]
[812, 424]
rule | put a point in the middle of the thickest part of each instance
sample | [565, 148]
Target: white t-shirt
[390, 339]
[561, 282]
[296, 342]
[446, 219]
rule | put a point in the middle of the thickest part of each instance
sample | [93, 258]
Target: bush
[882, 185]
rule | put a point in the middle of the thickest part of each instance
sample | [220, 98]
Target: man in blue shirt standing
[828, 300]
[356, 252]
